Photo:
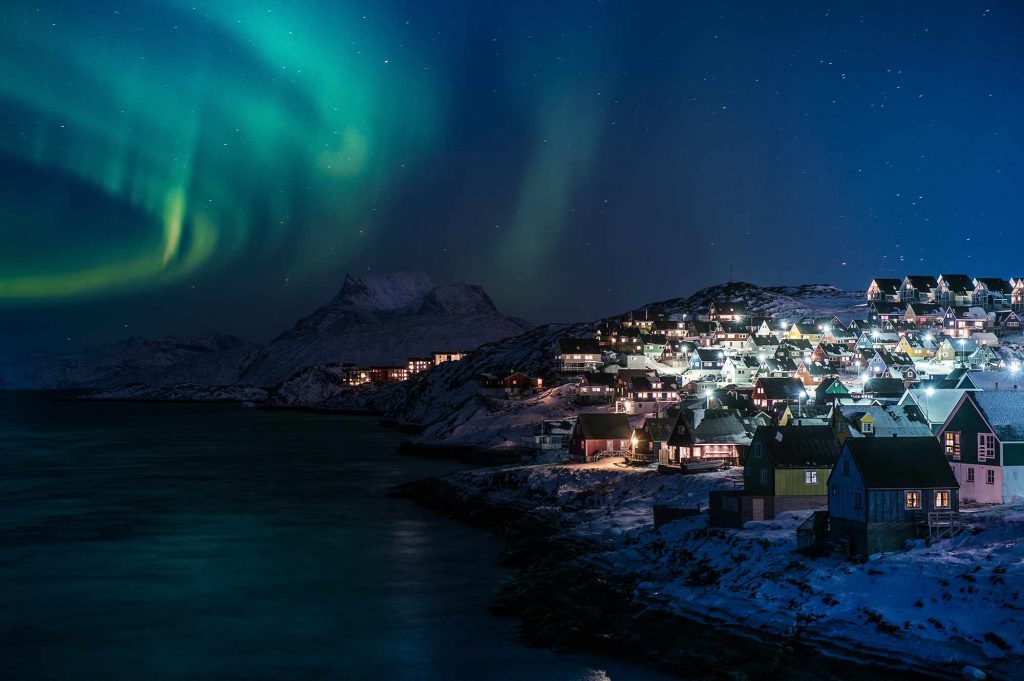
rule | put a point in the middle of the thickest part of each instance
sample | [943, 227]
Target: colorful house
[595, 434]
[983, 440]
[791, 461]
[884, 491]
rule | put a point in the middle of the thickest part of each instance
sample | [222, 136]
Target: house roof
[721, 307]
[781, 388]
[996, 284]
[904, 420]
[604, 426]
[599, 379]
[710, 354]
[831, 386]
[709, 426]
[889, 286]
[958, 283]
[901, 463]
[924, 308]
[580, 346]
[799, 446]
[884, 387]
[937, 406]
[887, 308]
[1004, 411]
[660, 429]
[922, 281]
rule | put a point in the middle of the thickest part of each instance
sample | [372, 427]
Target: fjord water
[162, 541]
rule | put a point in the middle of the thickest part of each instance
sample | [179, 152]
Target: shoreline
[567, 597]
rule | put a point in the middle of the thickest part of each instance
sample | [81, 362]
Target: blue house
[884, 491]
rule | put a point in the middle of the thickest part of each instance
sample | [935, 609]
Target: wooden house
[961, 321]
[596, 388]
[791, 461]
[723, 311]
[706, 362]
[579, 354]
[881, 311]
[740, 369]
[884, 290]
[955, 290]
[732, 334]
[991, 293]
[648, 440]
[518, 385]
[706, 435]
[805, 331]
[983, 440]
[830, 390]
[770, 391]
[1017, 294]
[1006, 321]
[596, 434]
[884, 491]
[447, 356]
[918, 288]
[924, 314]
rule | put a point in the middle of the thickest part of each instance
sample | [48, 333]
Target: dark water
[144, 541]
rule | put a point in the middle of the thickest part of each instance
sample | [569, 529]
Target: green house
[790, 461]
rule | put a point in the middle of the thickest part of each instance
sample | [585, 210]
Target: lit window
[942, 498]
[913, 499]
[990, 477]
[952, 441]
[810, 477]
[986, 446]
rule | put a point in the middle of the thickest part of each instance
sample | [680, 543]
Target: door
[757, 509]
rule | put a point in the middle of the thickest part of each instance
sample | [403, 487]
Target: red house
[596, 433]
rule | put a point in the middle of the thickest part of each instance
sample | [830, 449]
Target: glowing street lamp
[801, 396]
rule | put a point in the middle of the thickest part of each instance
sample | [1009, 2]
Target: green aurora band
[205, 122]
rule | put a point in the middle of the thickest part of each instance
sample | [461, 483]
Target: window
[970, 475]
[990, 477]
[867, 427]
[857, 502]
[764, 476]
[913, 499]
[986, 446]
[810, 477]
[952, 441]
[942, 498]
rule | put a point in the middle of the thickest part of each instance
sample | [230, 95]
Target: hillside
[793, 302]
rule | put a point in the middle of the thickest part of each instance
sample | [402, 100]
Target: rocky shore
[585, 582]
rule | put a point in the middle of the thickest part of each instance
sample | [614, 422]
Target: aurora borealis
[174, 167]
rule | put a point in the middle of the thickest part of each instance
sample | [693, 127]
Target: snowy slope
[790, 302]
[938, 608]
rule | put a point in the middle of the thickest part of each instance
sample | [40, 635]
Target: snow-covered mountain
[382, 319]
[793, 302]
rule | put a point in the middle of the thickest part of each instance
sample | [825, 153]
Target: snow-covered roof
[1005, 413]
[887, 421]
[937, 406]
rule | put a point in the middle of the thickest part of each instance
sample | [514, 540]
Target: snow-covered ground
[958, 602]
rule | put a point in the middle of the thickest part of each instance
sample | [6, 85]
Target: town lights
[1014, 367]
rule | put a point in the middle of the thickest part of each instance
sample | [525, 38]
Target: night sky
[178, 167]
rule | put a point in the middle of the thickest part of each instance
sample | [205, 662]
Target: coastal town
[859, 475]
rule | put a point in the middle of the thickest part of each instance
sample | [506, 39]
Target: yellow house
[914, 348]
[809, 332]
